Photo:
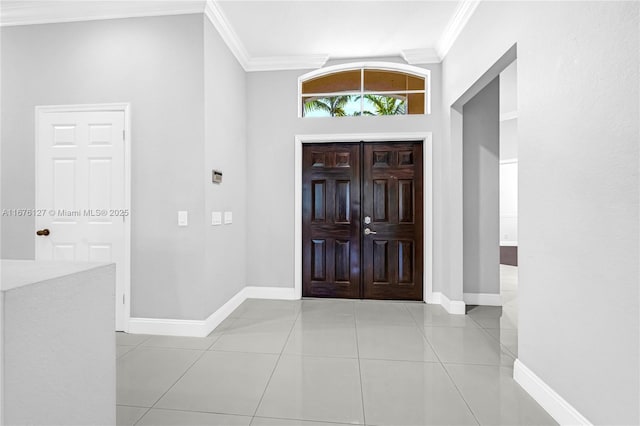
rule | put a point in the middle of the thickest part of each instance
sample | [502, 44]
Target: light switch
[228, 218]
[216, 218]
[183, 218]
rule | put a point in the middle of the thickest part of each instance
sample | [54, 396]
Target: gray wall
[578, 114]
[481, 185]
[224, 149]
[272, 125]
[158, 65]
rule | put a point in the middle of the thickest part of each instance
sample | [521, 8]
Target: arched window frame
[386, 66]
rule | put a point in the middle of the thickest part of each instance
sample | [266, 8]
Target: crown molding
[219, 20]
[455, 26]
[421, 56]
[36, 13]
[26, 13]
[250, 64]
[274, 63]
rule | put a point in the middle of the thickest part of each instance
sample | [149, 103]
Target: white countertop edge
[19, 273]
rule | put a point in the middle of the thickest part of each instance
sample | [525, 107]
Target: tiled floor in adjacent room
[328, 362]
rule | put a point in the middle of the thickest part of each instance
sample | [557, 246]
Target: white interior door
[80, 191]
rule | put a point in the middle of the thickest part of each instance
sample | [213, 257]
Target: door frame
[427, 165]
[124, 107]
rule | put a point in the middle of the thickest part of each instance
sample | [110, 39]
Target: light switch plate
[183, 218]
[216, 218]
[228, 218]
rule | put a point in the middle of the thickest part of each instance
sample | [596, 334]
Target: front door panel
[331, 220]
[362, 220]
[392, 254]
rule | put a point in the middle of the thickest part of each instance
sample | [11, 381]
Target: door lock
[367, 220]
[44, 232]
[368, 231]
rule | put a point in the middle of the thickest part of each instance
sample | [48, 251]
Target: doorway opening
[362, 220]
[490, 206]
[507, 331]
[428, 295]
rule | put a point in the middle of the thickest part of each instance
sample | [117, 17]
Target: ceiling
[267, 35]
[337, 28]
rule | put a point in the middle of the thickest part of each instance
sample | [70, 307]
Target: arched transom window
[364, 89]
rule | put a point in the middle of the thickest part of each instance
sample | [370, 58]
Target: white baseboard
[434, 298]
[202, 328]
[483, 299]
[455, 307]
[562, 412]
[279, 293]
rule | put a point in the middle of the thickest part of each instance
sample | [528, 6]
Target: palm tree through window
[364, 91]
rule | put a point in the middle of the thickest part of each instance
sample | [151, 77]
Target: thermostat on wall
[216, 176]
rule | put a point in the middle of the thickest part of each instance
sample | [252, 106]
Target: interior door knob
[44, 232]
[368, 231]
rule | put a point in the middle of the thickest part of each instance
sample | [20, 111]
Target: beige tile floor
[330, 362]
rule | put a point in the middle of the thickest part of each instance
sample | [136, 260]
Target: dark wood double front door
[362, 220]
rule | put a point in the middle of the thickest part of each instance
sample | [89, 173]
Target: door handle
[44, 232]
[368, 231]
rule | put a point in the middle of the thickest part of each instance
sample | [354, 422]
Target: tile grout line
[275, 366]
[460, 392]
[171, 387]
[149, 336]
[355, 322]
[421, 330]
[444, 367]
[222, 333]
[181, 376]
[307, 421]
[502, 347]
[123, 355]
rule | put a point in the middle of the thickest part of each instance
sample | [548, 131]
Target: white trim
[562, 412]
[511, 115]
[427, 211]
[60, 12]
[435, 299]
[454, 307]
[483, 299]
[421, 56]
[509, 161]
[202, 328]
[427, 150]
[389, 66]
[122, 106]
[35, 13]
[276, 63]
[125, 107]
[170, 327]
[278, 293]
[215, 15]
[382, 92]
[455, 26]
